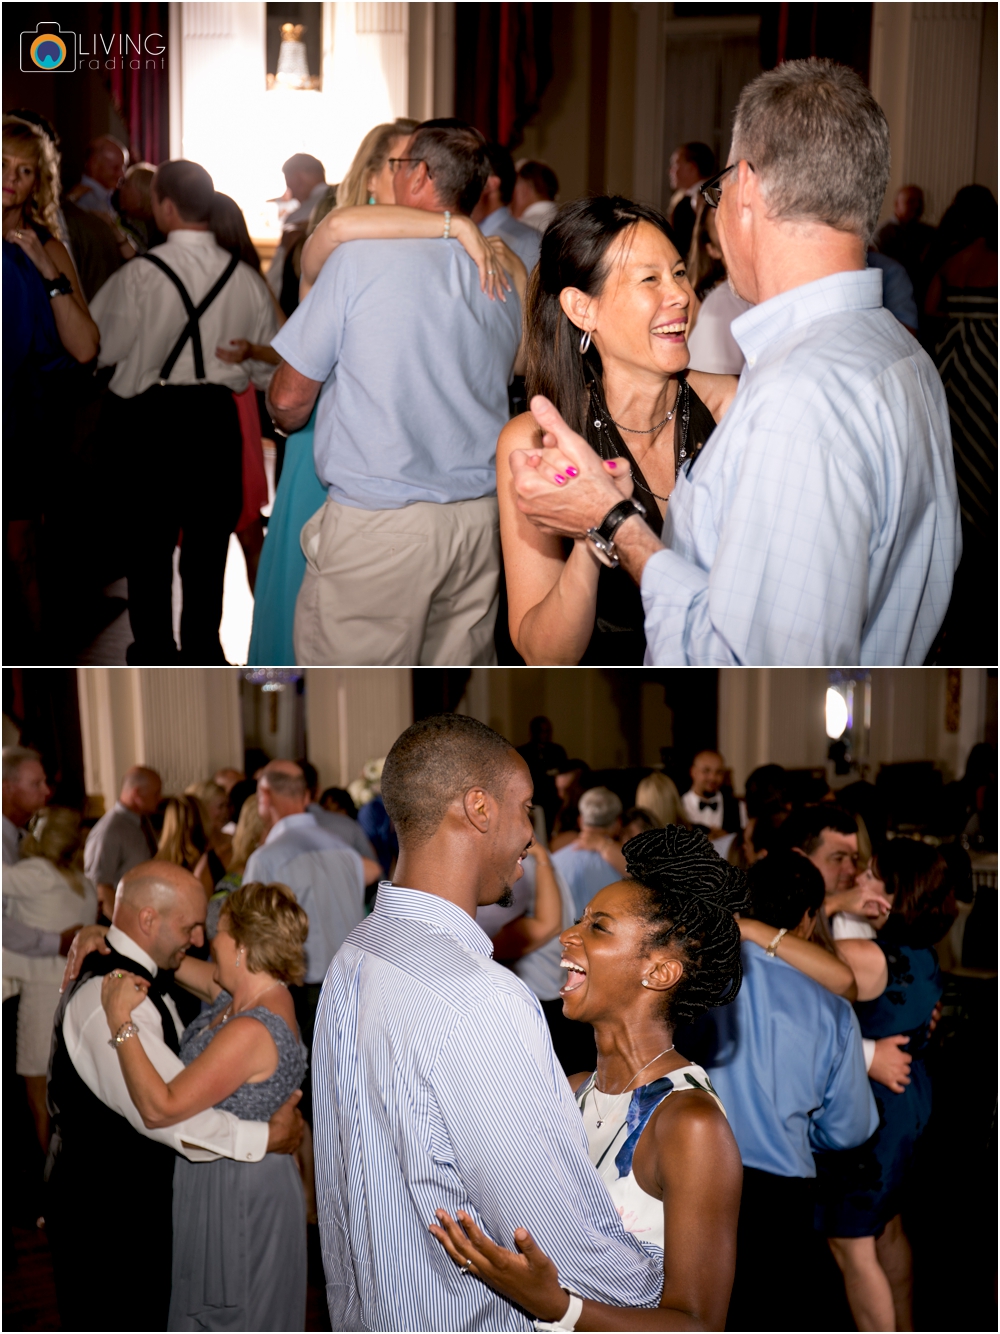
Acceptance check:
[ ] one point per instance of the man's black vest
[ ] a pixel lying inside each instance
(99, 1165)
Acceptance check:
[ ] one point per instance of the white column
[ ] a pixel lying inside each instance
(185, 724)
(354, 715)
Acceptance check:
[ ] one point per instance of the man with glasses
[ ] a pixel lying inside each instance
(820, 524)
(410, 363)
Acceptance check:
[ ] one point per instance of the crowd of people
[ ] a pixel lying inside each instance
(417, 496)
(468, 1035)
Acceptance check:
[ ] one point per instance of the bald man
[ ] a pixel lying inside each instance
(124, 837)
(705, 804)
(107, 159)
(111, 1178)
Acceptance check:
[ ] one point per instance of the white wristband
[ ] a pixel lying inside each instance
(569, 1317)
(868, 1046)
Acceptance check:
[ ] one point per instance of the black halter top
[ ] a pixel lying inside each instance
(618, 639)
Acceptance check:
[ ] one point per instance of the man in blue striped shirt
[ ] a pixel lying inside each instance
(820, 523)
(435, 1083)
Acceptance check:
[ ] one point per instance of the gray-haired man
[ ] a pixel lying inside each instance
(820, 525)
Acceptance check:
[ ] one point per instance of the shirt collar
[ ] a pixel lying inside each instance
(184, 236)
(498, 215)
(129, 815)
(125, 945)
(417, 905)
(780, 316)
(289, 822)
(96, 187)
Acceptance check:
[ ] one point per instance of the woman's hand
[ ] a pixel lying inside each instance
(530, 1279)
(86, 940)
(235, 351)
(27, 240)
(862, 901)
(479, 248)
(120, 994)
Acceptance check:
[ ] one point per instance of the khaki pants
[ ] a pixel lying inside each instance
(410, 587)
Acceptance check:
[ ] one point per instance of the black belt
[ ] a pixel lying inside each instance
(191, 329)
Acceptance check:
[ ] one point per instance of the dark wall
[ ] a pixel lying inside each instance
(44, 705)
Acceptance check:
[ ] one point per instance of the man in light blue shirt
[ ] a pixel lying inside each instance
(820, 523)
(435, 1083)
(492, 214)
(786, 1060)
(594, 860)
(410, 362)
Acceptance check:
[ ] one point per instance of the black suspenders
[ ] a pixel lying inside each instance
(194, 313)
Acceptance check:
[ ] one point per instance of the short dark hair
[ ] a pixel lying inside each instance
(189, 186)
(804, 828)
(767, 826)
(541, 176)
(767, 783)
(435, 761)
(917, 879)
(784, 886)
(340, 797)
(305, 162)
(502, 165)
(700, 156)
(455, 155)
(311, 774)
(690, 896)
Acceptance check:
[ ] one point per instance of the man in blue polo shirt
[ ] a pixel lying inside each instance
(410, 362)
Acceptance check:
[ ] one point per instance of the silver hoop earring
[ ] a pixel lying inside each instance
(584, 342)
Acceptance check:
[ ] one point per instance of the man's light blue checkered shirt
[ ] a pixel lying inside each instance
(820, 525)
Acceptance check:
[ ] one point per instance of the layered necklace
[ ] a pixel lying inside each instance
(603, 421)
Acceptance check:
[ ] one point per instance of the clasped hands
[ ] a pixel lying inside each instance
(563, 487)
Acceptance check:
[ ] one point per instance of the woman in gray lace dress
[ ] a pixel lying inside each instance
(239, 1259)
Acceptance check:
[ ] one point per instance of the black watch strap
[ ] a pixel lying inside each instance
(60, 285)
(617, 515)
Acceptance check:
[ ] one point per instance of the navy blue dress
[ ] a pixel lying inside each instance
(859, 1190)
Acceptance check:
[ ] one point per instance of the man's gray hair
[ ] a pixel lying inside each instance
(599, 808)
(283, 783)
(14, 757)
(818, 141)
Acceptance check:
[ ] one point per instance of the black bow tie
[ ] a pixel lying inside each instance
(712, 805)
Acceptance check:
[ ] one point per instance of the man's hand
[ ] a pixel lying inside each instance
(891, 1065)
(862, 902)
(87, 939)
(564, 488)
(286, 1127)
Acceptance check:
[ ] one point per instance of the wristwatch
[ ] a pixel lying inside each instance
(603, 536)
(60, 285)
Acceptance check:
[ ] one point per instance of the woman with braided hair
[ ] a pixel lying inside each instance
(650, 952)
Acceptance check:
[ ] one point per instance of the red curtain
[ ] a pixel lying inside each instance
(141, 95)
(503, 64)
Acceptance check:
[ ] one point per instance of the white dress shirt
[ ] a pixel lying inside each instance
(140, 315)
(202, 1138)
(711, 344)
(711, 817)
(11, 842)
(539, 214)
(820, 525)
(38, 895)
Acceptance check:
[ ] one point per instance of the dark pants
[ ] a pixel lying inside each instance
(306, 1001)
(778, 1256)
(572, 1042)
(180, 449)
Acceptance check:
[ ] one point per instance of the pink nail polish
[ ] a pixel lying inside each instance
(612, 463)
(572, 472)
(559, 479)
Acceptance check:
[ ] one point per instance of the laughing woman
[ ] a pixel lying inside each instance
(606, 318)
(650, 952)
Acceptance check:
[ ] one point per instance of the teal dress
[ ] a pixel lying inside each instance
(282, 565)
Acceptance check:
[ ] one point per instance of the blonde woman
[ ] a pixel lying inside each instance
(658, 795)
(250, 834)
(48, 890)
(183, 841)
(214, 807)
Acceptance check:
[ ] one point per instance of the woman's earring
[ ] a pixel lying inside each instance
(584, 342)
(238, 953)
(372, 199)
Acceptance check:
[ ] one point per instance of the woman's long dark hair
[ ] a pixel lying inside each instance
(574, 254)
(226, 220)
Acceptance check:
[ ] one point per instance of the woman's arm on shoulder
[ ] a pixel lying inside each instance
(195, 975)
(823, 967)
(551, 599)
(867, 962)
(715, 391)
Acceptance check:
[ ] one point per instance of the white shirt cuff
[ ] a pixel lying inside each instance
(868, 1044)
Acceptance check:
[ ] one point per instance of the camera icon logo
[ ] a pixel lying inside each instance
(48, 50)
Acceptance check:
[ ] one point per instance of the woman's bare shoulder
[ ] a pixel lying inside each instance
(521, 432)
(715, 391)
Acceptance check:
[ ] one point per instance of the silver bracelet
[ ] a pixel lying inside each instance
(126, 1031)
(569, 1317)
(447, 225)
